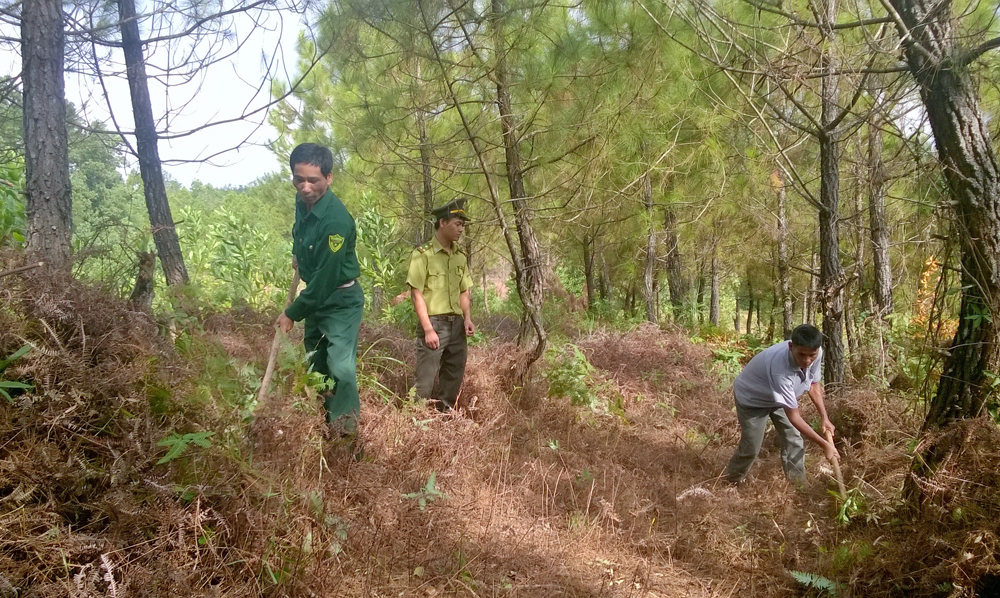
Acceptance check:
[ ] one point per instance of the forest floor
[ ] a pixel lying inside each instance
(515, 494)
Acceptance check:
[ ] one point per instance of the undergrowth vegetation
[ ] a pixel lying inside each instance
(136, 460)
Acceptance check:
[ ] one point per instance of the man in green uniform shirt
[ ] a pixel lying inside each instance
(439, 282)
(323, 240)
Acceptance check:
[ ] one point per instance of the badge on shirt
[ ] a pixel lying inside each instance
(336, 242)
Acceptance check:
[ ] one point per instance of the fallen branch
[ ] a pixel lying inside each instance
(22, 269)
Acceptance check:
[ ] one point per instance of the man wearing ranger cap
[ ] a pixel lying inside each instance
(439, 281)
(323, 239)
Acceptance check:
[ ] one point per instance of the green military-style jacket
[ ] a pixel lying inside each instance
(323, 244)
(442, 277)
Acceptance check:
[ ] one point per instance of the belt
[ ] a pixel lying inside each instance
(348, 285)
(446, 317)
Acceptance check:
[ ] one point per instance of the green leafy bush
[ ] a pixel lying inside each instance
(570, 375)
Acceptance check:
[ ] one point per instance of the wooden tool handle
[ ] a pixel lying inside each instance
(836, 469)
(272, 357)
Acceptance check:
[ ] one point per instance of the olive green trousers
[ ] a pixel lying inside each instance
(447, 362)
(331, 339)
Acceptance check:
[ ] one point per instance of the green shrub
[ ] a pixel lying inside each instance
(12, 218)
(570, 375)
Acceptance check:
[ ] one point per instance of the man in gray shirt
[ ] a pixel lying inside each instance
(769, 387)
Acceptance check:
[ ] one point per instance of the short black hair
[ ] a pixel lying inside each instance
(808, 336)
(312, 153)
(447, 218)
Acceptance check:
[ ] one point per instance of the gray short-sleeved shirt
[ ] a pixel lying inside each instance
(772, 378)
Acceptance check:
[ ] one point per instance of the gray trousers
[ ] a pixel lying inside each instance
(447, 361)
(752, 423)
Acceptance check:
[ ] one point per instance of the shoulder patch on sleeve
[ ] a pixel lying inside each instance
(336, 242)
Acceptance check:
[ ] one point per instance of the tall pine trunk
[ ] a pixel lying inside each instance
(736, 314)
(649, 272)
(588, 268)
(879, 229)
(675, 270)
(973, 177)
(713, 302)
(701, 293)
(831, 274)
(784, 279)
(810, 315)
(604, 286)
(150, 168)
(46, 155)
(529, 279)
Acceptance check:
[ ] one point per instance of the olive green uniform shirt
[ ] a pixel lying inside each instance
(441, 276)
(323, 242)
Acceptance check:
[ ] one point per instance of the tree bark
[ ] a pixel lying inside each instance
(831, 274)
(588, 268)
(675, 269)
(784, 279)
(49, 203)
(736, 314)
(604, 286)
(973, 176)
(701, 294)
(879, 229)
(649, 271)
(529, 280)
(810, 315)
(713, 308)
(852, 301)
(150, 168)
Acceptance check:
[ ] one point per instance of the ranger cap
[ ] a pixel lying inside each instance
(452, 209)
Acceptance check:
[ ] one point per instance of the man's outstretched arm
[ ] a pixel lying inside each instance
(806, 430)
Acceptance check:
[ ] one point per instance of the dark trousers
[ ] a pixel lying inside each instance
(752, 422)
(331, 338)
(447, 361)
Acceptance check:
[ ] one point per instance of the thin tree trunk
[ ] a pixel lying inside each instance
(882, 269)
(770, 322)
(701, 294)
(150, 168)
(849, 324)
(973, 176)
(648, 272)
(736, 314)
(749, 302)
(588, 269)
(530, 279)
(831, 273)
(605, 280)
(46, 157)
(784, 278)
(675, 270)
(757, 306)
(813, 290)
(852, 301)
(713, 307)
